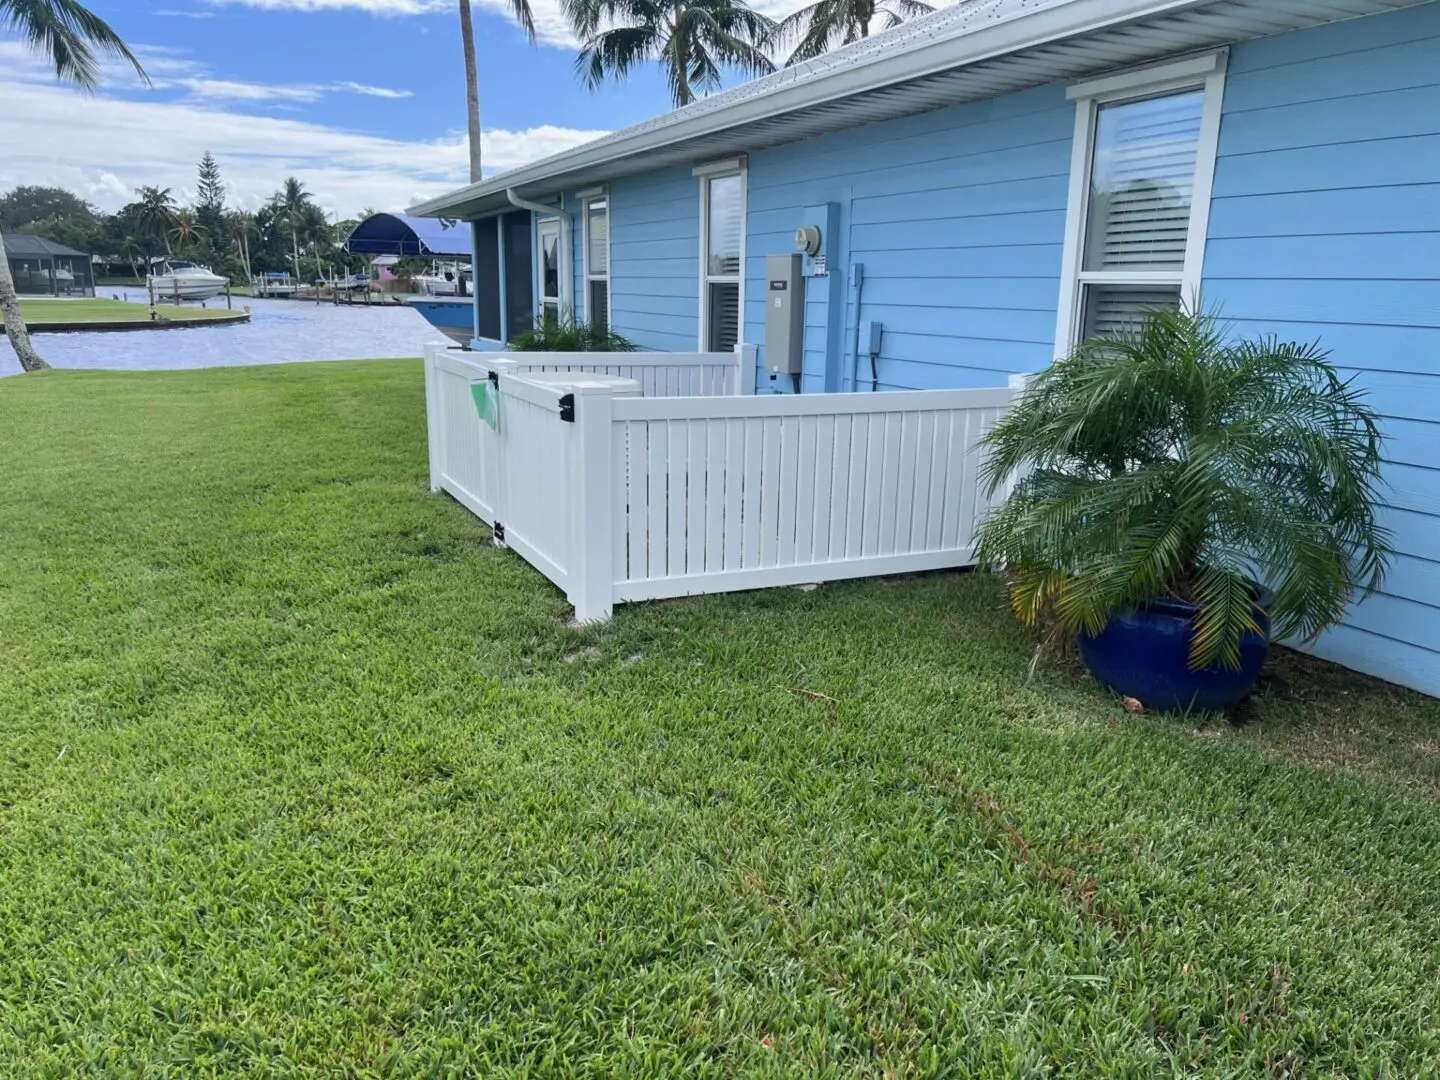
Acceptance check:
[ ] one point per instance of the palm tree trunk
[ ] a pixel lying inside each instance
(472, 90)
(684, 95)
(295, 246)
(14, 321)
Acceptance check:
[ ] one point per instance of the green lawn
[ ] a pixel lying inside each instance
(100, 310)
(299, 777)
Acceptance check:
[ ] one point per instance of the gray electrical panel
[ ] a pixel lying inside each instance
(784, 315)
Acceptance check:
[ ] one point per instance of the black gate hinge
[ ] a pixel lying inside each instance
(567, 408)
(495, 377)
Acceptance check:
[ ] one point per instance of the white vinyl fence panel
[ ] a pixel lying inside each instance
(622, 498)
(750, 492)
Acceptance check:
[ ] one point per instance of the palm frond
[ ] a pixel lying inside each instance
(67, 34)
(1172, 461)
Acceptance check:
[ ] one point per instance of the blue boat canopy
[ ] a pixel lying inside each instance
(397, 234)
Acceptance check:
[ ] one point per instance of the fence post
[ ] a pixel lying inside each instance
(500, 504)
(747, 356)
(433, 413)
(591, 569)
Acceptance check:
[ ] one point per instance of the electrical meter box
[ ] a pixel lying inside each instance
(784, 315)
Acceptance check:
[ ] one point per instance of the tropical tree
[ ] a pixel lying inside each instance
(67, 34)
(241, 225)
(1170, 461)
(292, 204)
(155, 217)
(131, 250)
(526, 18)
(830, 24)
(187, 231)
(693, 42)
(315, 229)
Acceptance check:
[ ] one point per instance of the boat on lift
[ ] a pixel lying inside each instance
(274, 283)
(447, 279)
(182, 279)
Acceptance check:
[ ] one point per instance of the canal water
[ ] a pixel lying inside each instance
(279, 332)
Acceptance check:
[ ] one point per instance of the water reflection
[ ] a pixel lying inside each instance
(279, 332)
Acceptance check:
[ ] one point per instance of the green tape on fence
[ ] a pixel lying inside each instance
(487, 401)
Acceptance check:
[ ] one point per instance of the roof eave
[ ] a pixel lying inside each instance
(1056, 22)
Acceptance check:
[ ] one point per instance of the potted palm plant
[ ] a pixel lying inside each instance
(1183, 499)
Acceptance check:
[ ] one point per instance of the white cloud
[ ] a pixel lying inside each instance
(167, 13)
(551, 26)
(372, 91)
(208, 89)
(104, 147)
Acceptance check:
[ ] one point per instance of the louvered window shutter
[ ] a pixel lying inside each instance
(1142, 180)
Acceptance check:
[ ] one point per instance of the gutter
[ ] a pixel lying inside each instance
(1056, 21)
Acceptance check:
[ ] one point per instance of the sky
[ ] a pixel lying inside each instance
(364, 100)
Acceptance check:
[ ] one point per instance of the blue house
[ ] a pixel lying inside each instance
(996, 181)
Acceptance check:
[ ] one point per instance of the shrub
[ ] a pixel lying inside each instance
(569, 334)
(1173, 462)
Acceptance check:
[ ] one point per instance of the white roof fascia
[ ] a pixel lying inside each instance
(1057, 20)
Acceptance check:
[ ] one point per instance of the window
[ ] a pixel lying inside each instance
(547, 234)
(597, 263)
(1139, 196)
(722, 249)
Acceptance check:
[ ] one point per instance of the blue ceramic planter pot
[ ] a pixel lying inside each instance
(1144, 653)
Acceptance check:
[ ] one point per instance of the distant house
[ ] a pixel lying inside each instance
(990, 184)
(41, 267)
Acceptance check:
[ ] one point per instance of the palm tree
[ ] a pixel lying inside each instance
(68, 35)
(526, 18)
(187, 230)
(292, 203)
(155, 216)
(132, 250)
(829, 24)
(241, 224)
(315, 229)
(694, 42)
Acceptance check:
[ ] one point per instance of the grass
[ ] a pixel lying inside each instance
(97, 310)
(299, 777)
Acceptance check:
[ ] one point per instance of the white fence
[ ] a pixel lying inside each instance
(623, 498)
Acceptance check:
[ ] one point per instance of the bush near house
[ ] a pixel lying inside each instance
(300, 776)
(569, 334)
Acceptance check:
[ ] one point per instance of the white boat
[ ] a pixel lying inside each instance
(444, 280)
(273, 283)
(185, 280)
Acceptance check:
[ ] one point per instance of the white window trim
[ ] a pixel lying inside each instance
(566, 301)
(586, 274)
(719, 170)
(1205, 72)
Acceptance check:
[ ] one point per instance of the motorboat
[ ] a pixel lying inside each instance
(348, 283)
(453, 316)
(273, 283)
(449, 279)
(185, 280)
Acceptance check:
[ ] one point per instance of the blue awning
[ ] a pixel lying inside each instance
(396, 234)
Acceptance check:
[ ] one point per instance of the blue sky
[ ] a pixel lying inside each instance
(363, 99)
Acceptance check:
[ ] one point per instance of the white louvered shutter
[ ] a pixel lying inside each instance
(1113, 309)
(597, 258)
(724, 227)
(1142, 181)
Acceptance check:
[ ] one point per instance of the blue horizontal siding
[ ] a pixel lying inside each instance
(655, 259)
(1325, 225)
(1414, 159)
(957, 217)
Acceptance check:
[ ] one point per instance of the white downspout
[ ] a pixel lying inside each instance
(567, 247)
